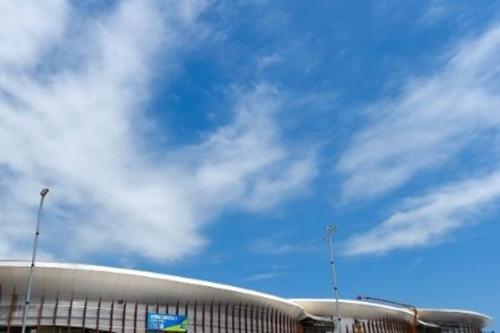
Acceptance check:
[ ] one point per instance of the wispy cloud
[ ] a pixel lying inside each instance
(268, 246)
(428, 219)
(43, 25)
(245, 163)
(264, 276)
(433, 121)
(414, 264)
(278, 245)
(77, 125)
(435, 11)
(430, 122)
(268, 60)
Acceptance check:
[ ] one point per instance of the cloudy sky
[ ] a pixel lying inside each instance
(218, 139)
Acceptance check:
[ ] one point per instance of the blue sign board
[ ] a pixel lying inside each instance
(166, 322)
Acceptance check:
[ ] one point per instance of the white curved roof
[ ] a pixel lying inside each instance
(444, 316)
(132, 285)
(352, 309)
(369, 310)
(146, 287)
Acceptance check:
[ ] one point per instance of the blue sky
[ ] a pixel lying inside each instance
(218, 140)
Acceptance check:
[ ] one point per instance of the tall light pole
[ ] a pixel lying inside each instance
(43, 193)
(329, 232)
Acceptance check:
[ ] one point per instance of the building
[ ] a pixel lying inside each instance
(69, 298)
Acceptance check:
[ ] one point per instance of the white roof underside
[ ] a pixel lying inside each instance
(146, 287)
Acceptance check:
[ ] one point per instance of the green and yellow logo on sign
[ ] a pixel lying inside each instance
(166, 322)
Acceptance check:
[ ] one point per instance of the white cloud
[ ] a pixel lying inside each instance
(29, 29)
(264, 276)
(266, 61)
(414, 264)
(243, 163)
(77, 127)
(428, 219)
(434, 120)
(271, 246)
(436, 11)
(277, 245)
(429, 123)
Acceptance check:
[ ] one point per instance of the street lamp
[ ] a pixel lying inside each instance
(43, 193)
(329, 232)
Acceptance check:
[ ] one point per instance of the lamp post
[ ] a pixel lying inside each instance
(329, 232)
(43, 193)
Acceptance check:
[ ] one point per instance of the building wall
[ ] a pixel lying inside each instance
(130, 317)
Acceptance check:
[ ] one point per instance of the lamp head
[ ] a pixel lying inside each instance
(44, 192)
(331, 228)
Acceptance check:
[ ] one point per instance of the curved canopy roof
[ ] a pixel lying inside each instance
(445, 316)
(146, 287)
(369, 310)
(131, 285)
(352, 309)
